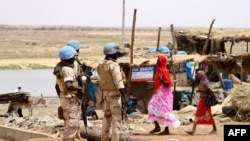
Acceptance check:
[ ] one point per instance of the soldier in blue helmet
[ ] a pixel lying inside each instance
(86, 73)
(75, 44)
(112, 86)
(68, 92)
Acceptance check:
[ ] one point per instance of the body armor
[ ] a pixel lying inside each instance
(106, 82)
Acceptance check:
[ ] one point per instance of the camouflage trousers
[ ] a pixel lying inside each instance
(112, 118)
(71, 115)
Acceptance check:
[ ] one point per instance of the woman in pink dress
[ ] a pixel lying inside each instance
(160, 107)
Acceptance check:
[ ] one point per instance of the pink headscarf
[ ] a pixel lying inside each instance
(203, 80)
(202, 75)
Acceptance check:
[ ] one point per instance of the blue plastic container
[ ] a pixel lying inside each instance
(228, 84)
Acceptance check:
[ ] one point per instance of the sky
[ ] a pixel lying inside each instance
(109, 13)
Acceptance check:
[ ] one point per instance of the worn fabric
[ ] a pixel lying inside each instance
(203, 114)
(160, 106)
(77, 69)
(111, 106)
(92, 88)
(112, 117)
(69, 104)
(60, 112)
(71, 115)
(163, 71)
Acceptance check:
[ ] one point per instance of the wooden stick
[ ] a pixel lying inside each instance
(241, 69)
(158, 39)
(212, 47)
(231, 47)
(173, 37)
(247, 46)
(132, 37)
(94, 134)
(208, 36)
(193, 86)
(172, 66)
(131, 53)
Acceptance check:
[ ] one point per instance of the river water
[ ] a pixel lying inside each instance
(34, 81)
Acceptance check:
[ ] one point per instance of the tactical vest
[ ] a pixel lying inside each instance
(106, 81)
(60, 82)
(58, 69)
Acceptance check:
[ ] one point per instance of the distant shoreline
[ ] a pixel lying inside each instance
(37, 63)
(101, 28)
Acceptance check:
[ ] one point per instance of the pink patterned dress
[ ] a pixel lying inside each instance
(160, 107)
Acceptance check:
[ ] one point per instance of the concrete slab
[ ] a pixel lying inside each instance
(13, 134)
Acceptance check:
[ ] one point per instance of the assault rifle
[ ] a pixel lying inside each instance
(123, 104)
(83, 104)
(83, 66)
(123, 107)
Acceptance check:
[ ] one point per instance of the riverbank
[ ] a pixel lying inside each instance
(34, 63)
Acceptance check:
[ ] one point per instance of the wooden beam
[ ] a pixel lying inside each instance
(131, 61)
(247, 46)
(94, 134)
(208, 36)
(158, 39)
(132, 48)
(231, 47)
(172, 66)
(173, 37)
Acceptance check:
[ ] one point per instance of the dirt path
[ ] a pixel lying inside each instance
(139, 127)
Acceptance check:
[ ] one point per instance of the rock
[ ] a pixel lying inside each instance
(226, 119)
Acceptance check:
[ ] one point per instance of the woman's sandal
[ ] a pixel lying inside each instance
(164, 133)
(155, 130)
(212, 132)
(189, 132)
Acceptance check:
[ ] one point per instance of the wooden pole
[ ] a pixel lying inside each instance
(247, 46)
(231, 47)
(172, 66)
(132, 39)
(173, 37)
(208, 36)
(95, 134)
(131, 55)
(123, 23)
(158, 39)
(128, 86)
(193, 85)
(241, 69)
(212, 47)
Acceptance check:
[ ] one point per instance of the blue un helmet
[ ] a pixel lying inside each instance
(67, 52)
(75, 44)
(110, 48)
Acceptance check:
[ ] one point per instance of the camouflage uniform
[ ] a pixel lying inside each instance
(111, 97)
(70, 105)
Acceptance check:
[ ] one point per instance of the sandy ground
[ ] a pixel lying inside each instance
(138, 126)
